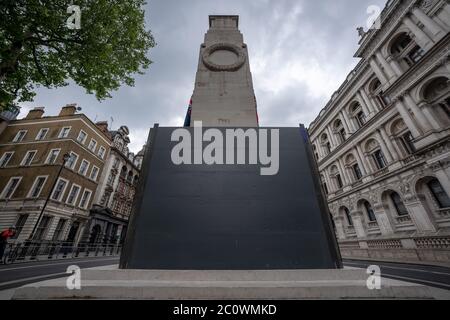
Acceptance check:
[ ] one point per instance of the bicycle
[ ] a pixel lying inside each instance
(12, 255)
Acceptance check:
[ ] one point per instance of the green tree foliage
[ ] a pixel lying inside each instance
(37, 48)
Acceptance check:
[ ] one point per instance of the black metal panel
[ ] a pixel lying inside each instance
(229, 217)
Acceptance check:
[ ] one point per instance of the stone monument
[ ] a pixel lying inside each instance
(223, 94)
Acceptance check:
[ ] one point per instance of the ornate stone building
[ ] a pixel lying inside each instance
(115, 193)
(382, 142)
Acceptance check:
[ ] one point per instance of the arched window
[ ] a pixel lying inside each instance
(373, 148)
(437, 94)
(369, 211)
(130, 177)
(398, 204)
(326, 143)
(316, 155)
(406, 51)
(339, 129)
(403, 137)
(439, 194)
(352, 164)
(376, 90)
(348, 216)
(123, 173)
(336, 175)
(358, 115)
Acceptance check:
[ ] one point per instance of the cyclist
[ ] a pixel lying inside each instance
(4, 236)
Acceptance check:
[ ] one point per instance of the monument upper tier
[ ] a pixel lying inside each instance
(223, 94)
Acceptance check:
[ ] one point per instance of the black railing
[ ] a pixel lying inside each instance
(48, 250)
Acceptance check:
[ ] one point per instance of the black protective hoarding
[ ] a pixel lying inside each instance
(230, 217)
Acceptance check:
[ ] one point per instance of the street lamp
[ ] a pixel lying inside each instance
(66, 157)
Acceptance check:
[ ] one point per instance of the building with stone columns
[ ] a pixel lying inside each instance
(115, 192)
(382, 142)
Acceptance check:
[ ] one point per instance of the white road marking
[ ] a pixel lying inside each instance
(408, 269)
(43, 277)
(436, 284)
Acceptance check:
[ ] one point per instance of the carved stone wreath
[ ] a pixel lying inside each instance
(228, 47)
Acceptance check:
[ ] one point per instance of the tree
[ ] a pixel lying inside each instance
(38, 47)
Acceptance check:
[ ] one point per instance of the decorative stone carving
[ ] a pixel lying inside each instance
(225, 47)
(361, 32)
(405, 188)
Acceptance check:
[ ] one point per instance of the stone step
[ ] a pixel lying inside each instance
(219, 275)
(224, 285)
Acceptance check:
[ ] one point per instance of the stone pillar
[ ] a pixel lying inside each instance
(380, 74)
(409, 121)
(446, 13)
(345, 175)
(421, 37)
(346, 123)
(366, 105)
(395, 65)
(387, 67)
(419, 215)
(360, 162)
(420, 116)
(320, 151)
(332, 138)
(389, 144)
(428, 112)
(442, 176)
(384, 148)
(357, 217)
(328, 181)
(339, 223)
(428, 22)
(383, 220)
(364, 161)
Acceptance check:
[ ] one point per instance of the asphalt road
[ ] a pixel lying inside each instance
(13, 276)
(433, 276)
(17, 275)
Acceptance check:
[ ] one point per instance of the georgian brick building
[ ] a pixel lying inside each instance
(31, 154)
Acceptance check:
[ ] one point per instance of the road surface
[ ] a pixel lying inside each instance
(17, 275)
(432, 276)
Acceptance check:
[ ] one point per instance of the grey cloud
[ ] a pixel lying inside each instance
(300, 52)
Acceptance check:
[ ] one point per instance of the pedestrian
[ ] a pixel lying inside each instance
(4, 236)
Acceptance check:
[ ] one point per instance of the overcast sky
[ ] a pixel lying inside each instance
(300, 53)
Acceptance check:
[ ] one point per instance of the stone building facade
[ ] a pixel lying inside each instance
(382, 142)
(115, 193)
(31, 155)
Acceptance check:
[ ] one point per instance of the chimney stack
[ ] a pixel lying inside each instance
(68, 110)
(35, 113)
(103, 126)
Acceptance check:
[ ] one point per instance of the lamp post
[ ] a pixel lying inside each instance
(66, 157)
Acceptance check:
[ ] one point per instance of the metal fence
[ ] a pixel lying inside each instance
(43, 250)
